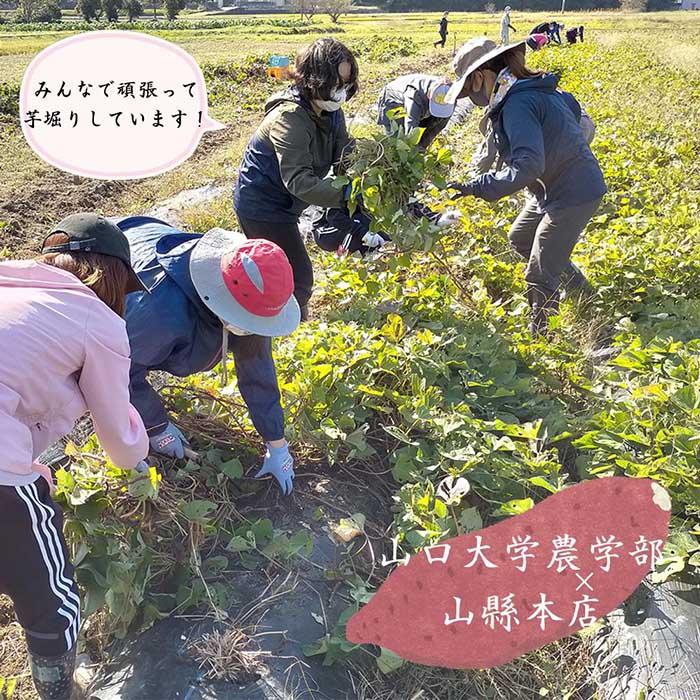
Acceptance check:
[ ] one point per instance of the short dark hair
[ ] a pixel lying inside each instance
(316, 70)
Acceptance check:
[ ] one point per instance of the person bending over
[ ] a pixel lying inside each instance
(65, 353)
(208, 295)
(539, 139)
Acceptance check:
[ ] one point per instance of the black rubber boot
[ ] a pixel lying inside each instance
(542, 306)
(53, 675)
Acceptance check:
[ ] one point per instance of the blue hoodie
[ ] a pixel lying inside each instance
(171, 329)
(539, 139)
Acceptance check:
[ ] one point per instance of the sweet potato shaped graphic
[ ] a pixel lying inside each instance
(481, 599)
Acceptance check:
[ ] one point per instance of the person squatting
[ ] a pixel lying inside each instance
(107, 301)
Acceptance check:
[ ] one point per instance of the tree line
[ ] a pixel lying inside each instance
(97, 10)
(111, 10)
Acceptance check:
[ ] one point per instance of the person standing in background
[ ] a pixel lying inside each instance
(580, 33)
(506, 26)
(442, 31)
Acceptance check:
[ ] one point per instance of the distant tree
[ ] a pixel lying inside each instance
(27, 9)
(48, 12)
(334, 8)
(89, 9)
(306, 8)
(490, 7)
(111, 9)
(173, 8)
(134, 9)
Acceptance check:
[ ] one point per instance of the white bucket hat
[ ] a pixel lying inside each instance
(247, 283)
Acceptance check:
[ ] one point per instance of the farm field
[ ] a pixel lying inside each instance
(413, 367)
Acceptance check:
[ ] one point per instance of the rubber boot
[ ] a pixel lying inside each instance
(575, 284)
(542, 306)
(53, 675)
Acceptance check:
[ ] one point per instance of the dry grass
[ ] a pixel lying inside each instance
(564, 669)
(228, 655)
(14, 664)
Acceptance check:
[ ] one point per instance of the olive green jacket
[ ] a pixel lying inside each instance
(287, 164)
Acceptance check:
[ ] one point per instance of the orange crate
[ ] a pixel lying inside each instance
(278, 73)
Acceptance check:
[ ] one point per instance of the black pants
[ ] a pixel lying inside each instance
(287, 237)
(441, 43)
(35, 571)
(331, 228)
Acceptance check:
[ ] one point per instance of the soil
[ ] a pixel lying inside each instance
(30, 211)
(13, 659)
(156, 665)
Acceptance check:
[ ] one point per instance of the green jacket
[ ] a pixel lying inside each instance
(286, 164)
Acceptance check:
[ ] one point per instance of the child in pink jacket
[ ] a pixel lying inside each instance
(64, 352)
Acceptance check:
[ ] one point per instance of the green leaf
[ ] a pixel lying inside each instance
(233, 468)
(214, 565)
(387, 661)
(239, 544)
(144, 486)
(694, 559)
(515, 507)
(542, 483)
(470, 520)
(198, 511)
(320, 646)
(399, 434)
(262, 530)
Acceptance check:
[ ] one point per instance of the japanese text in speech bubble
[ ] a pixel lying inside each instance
(114, 105)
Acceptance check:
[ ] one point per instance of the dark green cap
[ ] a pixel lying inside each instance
(90, 233)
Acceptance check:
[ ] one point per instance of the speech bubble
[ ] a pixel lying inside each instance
(482, 599)
(114, 105)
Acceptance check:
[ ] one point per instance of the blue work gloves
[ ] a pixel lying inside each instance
(170, 443)
(280, 464)
(142, 467)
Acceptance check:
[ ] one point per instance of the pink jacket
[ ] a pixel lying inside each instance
(63, 352)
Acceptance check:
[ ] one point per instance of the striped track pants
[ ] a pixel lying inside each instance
(34, 568)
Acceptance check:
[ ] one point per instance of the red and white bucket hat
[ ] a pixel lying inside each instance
(247, 283)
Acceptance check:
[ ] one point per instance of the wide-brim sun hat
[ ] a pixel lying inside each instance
(472, 56)
(247, 283)
(438, 107)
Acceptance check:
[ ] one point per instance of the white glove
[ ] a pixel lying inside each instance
(449, 218)
(372, 240)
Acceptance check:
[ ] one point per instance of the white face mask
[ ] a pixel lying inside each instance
(236, 331)
(338, 97)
